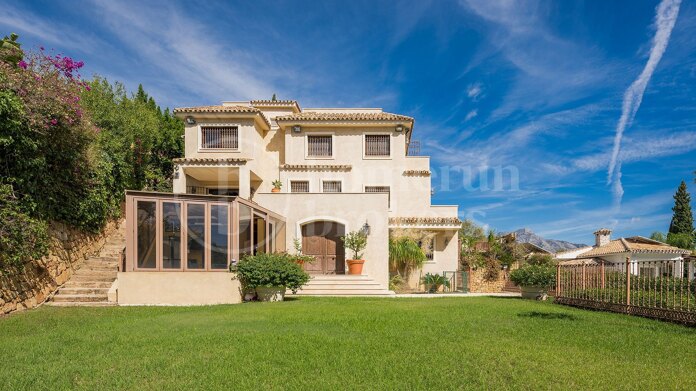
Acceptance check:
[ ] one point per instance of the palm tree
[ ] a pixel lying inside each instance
(405, 255)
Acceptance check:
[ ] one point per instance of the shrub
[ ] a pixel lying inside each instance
(433, 282)
(405, 255)
(270, 270)
(22, 238)
(534, 275)
(355, 241)
(541, 260)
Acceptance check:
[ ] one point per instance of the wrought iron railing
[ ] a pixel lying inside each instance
(413, 148)
(196, 190)
(458, 281)
(656, 289)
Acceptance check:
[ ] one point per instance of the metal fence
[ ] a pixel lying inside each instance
(458, 281)
(656, 289)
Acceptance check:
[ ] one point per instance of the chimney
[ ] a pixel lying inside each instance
(602, 236)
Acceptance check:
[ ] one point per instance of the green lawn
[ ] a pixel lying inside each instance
(331, 343)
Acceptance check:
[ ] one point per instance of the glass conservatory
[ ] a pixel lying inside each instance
(193, 233)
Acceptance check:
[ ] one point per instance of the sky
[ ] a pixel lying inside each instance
(559, 116)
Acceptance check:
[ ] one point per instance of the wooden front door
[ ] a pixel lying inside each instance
(322, 240)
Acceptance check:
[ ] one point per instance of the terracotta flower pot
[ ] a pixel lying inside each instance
(355, 266)
(299, 262)
(275, 190)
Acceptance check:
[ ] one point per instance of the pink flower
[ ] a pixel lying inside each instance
(22, 64)
(54, 122)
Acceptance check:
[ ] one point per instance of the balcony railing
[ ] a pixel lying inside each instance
(413, 148)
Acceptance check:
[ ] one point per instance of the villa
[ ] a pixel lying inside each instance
(339, 170)
(647, 257)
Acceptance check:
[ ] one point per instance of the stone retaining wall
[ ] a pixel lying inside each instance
(29, 287)
(477, 282)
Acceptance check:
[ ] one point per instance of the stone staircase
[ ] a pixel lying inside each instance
(343, 285)
(89, 285)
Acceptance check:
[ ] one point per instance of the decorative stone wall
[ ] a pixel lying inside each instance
(478, 284)
(30, 286)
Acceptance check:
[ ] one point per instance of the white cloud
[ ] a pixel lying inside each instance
(182, 50)
(470, 115)
(474, 91)
(665, 18)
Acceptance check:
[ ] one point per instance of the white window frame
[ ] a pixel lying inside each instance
(331, 180)
(333, 145)
(219, 125)
(390, 200)
(364, 142)
(309, 185)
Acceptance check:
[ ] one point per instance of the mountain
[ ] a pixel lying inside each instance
(525, 235)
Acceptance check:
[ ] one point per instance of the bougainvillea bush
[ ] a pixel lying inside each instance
(69, 150)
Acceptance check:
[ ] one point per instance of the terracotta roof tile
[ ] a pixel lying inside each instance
(310, 116)
(217, 109)
(210, 161)
(316, 167)
(425, 221)
(222, 110)
(636, 244)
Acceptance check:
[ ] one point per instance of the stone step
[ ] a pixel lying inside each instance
(338, 282)
(88, 284)
(79, 298)
(346, 292)
(99, 268)
(98, 263)
(340, 277)
(93, 278)
(81, 304)
(340, 288)
(82, 291)
(87, 275)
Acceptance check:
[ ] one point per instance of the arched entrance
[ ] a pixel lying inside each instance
(322, 240)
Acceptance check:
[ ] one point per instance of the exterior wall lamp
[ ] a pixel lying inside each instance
(190, 120)
(366, 229)
(399, 128)
(297, 128)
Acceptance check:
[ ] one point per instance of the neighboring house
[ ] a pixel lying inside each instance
(648, 257)
(342, 170)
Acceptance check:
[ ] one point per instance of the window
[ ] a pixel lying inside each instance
(379, 189)
(331, 187)
(428, 247)
(244, 230)
(146, 233)
(377, 145)
(320, 146)
(219, 137)
(171, 235)
(219, 229)
(299, 186)
(195, 237)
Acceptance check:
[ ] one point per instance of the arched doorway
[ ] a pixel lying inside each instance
(322, 240)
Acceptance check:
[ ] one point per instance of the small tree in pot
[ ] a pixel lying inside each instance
(277, 184)
(355, 241)
(270, 275)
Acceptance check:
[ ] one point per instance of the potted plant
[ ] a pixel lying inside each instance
(433, 282)
(355, 241)
(301, 258)
(277, 184)
(534, 280)
(270, 275)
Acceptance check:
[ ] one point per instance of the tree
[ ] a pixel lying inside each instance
(682, 219)
(659, 236)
